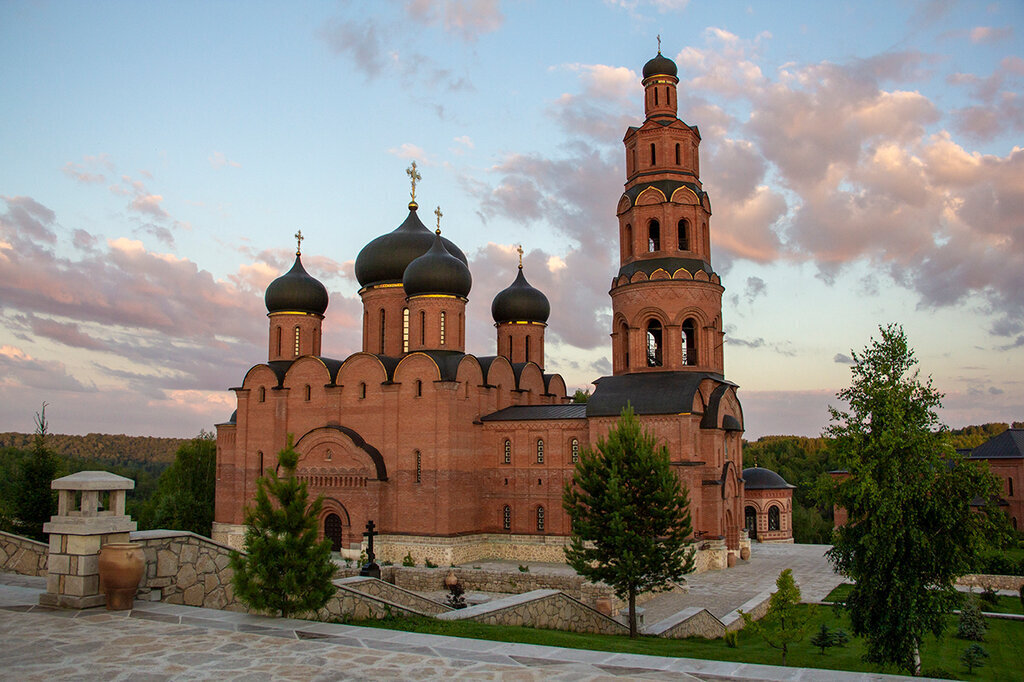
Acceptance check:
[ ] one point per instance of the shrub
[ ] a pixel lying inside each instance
(523, 568)
(972, 623)
(429, 564)
(989, 596)
(408, 561)
(732, 639)
(973, 657)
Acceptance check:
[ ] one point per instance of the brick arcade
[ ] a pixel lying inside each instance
(457, 456)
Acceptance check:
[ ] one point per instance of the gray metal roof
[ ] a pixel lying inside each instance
(650, 393)
(1007, 445)
(519, 413)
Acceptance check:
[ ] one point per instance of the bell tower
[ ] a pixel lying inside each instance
(666, 298)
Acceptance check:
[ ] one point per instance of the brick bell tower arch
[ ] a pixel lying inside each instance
(337, 463)
(666, 298)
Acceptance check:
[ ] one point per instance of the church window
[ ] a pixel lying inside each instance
(773, 518)
(405, 330)
(382, 322)
(654, 236)
(655, 96)
(1010, 482)
(419, 467)
(508, 451)
(278, 340)
(362, 391)
(423, 328)
(689, 337)
(442, 327)
(330, 455)
(296, 341)
(684, 235)
(634, 158)
(677, 154)
(629, 240)
(260, 455)
(540, 519)
(654, 343)
(506, 517)
(653, 157)
(527, 341)
(419, 388)
(308, 393)
(574, 446)
(262, 393)
(540, 451)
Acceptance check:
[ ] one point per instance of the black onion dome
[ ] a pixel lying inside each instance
(298, 291)
(437, 272)
(520, 301)
(385, 258)
(759, 478)
(660, 66)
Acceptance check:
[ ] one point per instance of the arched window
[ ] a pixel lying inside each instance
(405, 330)
(540, 519)
(624, 335)
(308, 393)
(508, 451)
(527, 341)
(296, 341)
(419, 467)
(574, 448)
(689, 337)
(260, 454)
(684, 235)
(750, 521)
(442, 327)
(653, 157)
(279, 332)
(362, 391)
(382, 321)
(506, 517)
(1010, 481)
(262, 394)
(677, 154)
(423, 328)
(654, 343)
(773, 518)
(540, 451)
(634, 158)
(629, 240)
(655, 96)
(419, 388)
(668, 96)
(654, 236)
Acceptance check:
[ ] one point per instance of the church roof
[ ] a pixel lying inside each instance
(385, 258)
(670, 265)
(759, 478)
(437, 272)
(520, 302)
(660, 66)
(296, 291)
(518, 413)
(650, 393)
(1007, 445)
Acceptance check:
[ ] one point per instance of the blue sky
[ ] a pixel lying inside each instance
(863, 160)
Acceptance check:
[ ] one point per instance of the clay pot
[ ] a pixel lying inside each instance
(121, 565)
(451, 580)
(730, 560)
(745, 553)
(603, 605)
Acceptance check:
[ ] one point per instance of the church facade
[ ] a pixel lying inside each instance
(458, 457)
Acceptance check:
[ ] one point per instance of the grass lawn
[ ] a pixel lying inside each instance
(1004, 604)
(1004, 643)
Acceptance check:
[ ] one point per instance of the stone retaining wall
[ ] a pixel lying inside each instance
(545, 609)
(996, 582)
(690, 622)
(185, 568)
(22, 556)
(349, 604)
(393, 594)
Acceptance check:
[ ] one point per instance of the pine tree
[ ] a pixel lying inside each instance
(973, 657)
(823, 639)
(36, 501)
(911, 529)
(286, 571)
(972, 624)
(785, 622)
(630, 515)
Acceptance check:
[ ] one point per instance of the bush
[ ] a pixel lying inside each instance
(939, 673)
(408, 561)
(523, 568)
(429, 564)
(989, 596)
(972, 623)
(732, 639)
(973, 657)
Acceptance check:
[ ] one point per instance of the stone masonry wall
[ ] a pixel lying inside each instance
(185, 568)
(348, 604)
(996, 582)
(545, 609)
(22, 556)
(393, 594)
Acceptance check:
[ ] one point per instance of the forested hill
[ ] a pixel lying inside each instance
(103, 447)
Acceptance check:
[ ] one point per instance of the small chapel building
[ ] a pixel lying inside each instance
(458, 456)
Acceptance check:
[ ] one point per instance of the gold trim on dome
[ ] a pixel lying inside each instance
(650, 189)
(293, 312)
(540, 324)
(435, 296)
(679, 189)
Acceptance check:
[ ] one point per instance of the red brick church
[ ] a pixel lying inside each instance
(458, 457)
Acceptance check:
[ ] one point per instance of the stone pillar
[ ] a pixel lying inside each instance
(90, 513)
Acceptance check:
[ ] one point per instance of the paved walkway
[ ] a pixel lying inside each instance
(156, 642)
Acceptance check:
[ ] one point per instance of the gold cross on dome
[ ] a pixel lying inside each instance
(519, 249)
(659, 43)
(437, 212)
(298, 245)
(414, 176)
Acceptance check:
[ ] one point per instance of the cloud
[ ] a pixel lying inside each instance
(26, 216)
(19, 369)
(92, 170)
(218, 160)
(755, 287)
(989, 34)
(842, 359)
(407, 150)
(466, 19)
(465, 141)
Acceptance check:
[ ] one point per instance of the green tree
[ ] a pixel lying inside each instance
(785, 622)
(35, 501)
(185, 492)
(581, 396)
(823, 638)
(971, 624)
(286, 571)
(911, 528)
(630, 514)
(973, 657)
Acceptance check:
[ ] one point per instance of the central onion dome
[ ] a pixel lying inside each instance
(386, 257)
(438, 271)
(520, 302)
(296, 291)
(660, 66)
(759, 478)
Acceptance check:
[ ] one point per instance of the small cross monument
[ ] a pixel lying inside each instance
(371, 568)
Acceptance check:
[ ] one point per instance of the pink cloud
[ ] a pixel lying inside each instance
(467, 19)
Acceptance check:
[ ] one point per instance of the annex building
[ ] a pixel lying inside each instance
(458, 456)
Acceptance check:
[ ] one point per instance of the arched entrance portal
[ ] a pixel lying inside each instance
(750, 521)
(333, 531)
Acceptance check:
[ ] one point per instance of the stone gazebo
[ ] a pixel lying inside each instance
(767, 505)
(90, 514)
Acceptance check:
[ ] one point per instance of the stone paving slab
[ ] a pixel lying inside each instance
(189, 643)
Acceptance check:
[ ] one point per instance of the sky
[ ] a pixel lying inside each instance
(864, 161)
